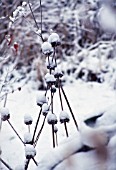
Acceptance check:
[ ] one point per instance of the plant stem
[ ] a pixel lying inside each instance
(5, 164)
(35, 161)
(56, 138)
(59, 85)
(35, 143)
(69, 107)
(66, 130)
(15, 131)
(36, 125)
(53, 137)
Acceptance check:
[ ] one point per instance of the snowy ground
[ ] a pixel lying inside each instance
(85, 98)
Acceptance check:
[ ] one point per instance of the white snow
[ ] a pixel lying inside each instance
(41, 98)
(4, 113)
(27, 118)
(49, 78)
(27, 137)
(47, 48)
(51, 118)
(64, 115)
(54, 38)
(45, 109)
(30, 151)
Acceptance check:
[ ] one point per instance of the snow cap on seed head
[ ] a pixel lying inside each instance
(55, 129)
(54, 39)
(30, 151)
(41, 99)
(28, 119)
(64, 117)
(52, 119)
(49, 78)
(47, 48)
(28, 138)
(4, 112)
(45, 109)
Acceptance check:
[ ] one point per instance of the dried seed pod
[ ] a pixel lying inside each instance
(45, 109)
(54, 39)
(27, 138)
(5, 115)
(55, 129)
(30, 151)
(58, 73)
(47, 48)
(41, 99)
(28, 119)
(50, 80)
(64, 117)
(53, 89)
(52, 119)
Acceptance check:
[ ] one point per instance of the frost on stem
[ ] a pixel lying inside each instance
(27, 138)
(5, 115)
(49, 78)
(47, 48)
(64, 117)
(30, 151)
(41, 99)
(28, 119)
(45, 109)
(55, 129)
(52, 119)
(54, 39)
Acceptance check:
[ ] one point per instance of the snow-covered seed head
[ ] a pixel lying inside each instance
(52, 119)
(47, 48)
(45, 109)
(64, 117)
(55, 129)
(51, 64)
(58, 73)
(28, 119)
(27, 138)
(30, 151)
(54, 39)
(41, 99)
(53, 89)
(5, 115)
(49, 78)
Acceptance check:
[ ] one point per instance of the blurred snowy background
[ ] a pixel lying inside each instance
(87, 29)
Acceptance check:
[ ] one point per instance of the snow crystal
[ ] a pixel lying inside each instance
(54, 38)
(30, 151)
(47, 48)
(27, 137)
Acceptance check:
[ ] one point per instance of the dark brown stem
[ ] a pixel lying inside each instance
(5, 99)
(15, 131)
(35, 143)
(66, 130)
(69, 108)
(53, 137)
(6, 165)
(35, 161)
(36, 125)
(60, 94)
(27, 164)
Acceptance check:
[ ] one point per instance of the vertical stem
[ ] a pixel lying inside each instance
(29, 128)
(36, 125)
(15, 132)
(53, 137)
(51, 102)
(69, 107)
(41, 18)
(66, 130)
(5, 99)
(60, 94)
(56, 139)
(27, 164)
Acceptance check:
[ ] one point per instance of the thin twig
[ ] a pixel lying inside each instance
(40, 131)
(36, 125)
(53, 137)
(66, 129)
(69, 107)
(5, 164)
(15, 132)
